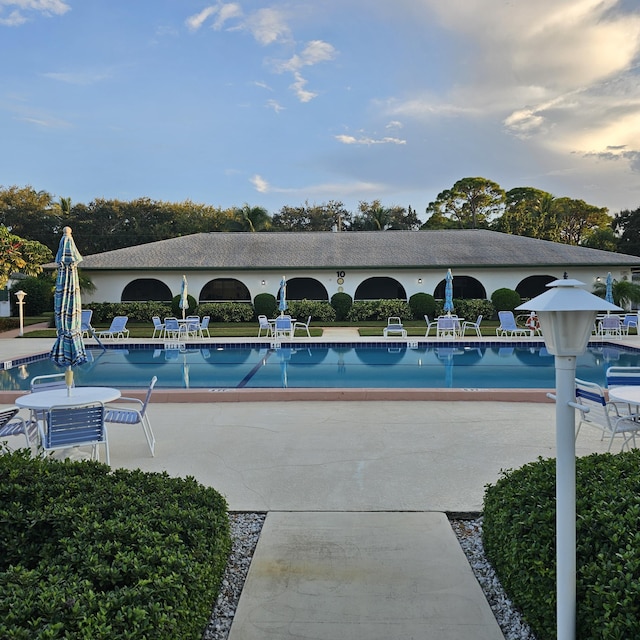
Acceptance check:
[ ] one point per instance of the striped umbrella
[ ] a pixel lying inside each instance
(68, 349)
(608, 296)
(282, 305)
(448, 292)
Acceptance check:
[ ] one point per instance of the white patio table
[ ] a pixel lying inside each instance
(629, 394)
(44, 400)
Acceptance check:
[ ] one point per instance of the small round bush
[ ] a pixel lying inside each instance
(341, 302)
(422, 304)
(505, 299)
(265, 304)
(175, 305)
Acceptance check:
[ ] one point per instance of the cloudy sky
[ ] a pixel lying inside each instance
(276, 103)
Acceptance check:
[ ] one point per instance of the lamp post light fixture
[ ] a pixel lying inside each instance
(20, 296)
(566, 314)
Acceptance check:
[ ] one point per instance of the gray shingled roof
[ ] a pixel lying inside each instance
(367, 249)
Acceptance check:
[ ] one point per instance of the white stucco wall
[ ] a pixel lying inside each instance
(110, 285)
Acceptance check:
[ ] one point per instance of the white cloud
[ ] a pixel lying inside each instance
(275, 105)
(298, 87)
(345, 139)
(260, 184)
(226, 12)
(195, 21)
(44, 7)
(315, 52)
(78, 78)
(268, 26)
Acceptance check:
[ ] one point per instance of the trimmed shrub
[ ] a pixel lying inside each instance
(227, 311)
(341, 302)
(505, 299)
(104, 312)
(319, 310)
(473, 307)
(519, 540)
(175, 305)
(265, 304)
(379, 310)
(39, 298)
(422, 304)
(94, 552)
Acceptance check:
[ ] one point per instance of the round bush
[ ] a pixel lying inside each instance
(505, 299)
(422, 304)
(341, 302)
(175, 305)
(265, 304)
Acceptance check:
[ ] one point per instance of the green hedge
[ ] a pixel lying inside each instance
(88, 552)
(227, 311)
(379, 310)
(519, 540)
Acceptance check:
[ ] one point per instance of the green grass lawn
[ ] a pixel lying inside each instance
(415, 328)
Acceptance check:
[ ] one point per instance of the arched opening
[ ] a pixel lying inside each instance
(227, 289)
(146, 289)
(464, 288)
(305, 289)
(533, 286)
(380, 288)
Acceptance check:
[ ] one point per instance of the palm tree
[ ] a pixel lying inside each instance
(251, 219)
(625, 293)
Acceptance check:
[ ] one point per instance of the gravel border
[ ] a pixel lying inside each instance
(245, 532)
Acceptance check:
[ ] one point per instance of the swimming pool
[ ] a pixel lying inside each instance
(354, 365)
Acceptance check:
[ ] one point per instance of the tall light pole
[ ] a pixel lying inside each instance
(20, 296)
(566, 314)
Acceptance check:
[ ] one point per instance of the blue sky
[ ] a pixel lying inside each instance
(276, 103)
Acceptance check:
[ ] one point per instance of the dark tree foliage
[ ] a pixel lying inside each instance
(626, 224)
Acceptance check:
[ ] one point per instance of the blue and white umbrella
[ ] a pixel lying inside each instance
(184, 297)
(448, 292)
(282, 304)
(608, 296)
(68, 349)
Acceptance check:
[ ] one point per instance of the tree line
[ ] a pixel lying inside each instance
(30, 216)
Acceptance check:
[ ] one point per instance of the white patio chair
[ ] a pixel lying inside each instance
(75, 426)
(430, 324)
(158, 327)
(302, 325)
(630, 321)
(137, 414)
(446, 327)
(394, 326)
(85, 323)
(599, 413)
(474, 326)
(284, 327)
(191, 326)
(264, 325)
(610, 326)
(11, 425)
(508, 325)
(173, 329)
(118, 329)
(204, 327)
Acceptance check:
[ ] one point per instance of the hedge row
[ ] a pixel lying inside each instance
(90, 552)
(519, 540)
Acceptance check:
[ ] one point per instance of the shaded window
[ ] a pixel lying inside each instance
(380, 288)
(227, 289)
(145, 290)
(533, 286)
(304, 289)
(464, 288)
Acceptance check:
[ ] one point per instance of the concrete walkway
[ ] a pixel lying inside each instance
(356, 543)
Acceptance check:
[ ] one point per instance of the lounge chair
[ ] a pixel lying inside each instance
(85, 323)
(394, 326)
(13, 425)
(264, 325)
(474, 326)
(118, 329)
(302, 325)
(137, 414)
(603, 415)
(75, 426)
(508, 325)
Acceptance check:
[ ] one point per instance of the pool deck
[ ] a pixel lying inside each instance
(356, 543)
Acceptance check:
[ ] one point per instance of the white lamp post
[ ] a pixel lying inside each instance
(566, 314)
(20, 295)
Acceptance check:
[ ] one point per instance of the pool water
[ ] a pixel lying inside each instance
(390, 365)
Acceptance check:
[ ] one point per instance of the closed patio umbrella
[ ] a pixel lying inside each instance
(448, 292)
(68, 349)
(609, 291)
(282, 305)
(184, 297)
